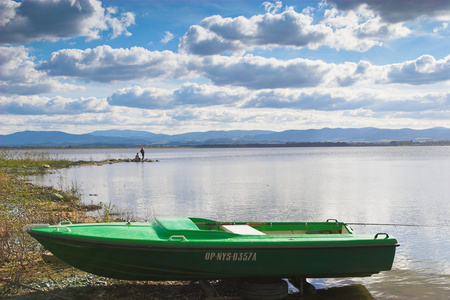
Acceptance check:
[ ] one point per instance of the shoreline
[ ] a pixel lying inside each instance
(399, 143)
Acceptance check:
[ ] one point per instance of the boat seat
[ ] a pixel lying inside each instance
(176, 223)
(242, 229)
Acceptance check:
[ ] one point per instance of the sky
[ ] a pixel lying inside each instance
(186, 66)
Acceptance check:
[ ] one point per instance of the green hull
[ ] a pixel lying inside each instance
(193, 249)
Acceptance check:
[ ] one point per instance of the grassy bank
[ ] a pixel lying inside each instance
(22, 203)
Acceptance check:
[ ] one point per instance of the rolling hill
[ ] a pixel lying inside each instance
(233, 137)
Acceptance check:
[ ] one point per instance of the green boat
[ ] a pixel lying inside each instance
(180, 248)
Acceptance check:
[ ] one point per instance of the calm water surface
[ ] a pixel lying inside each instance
(399, 185)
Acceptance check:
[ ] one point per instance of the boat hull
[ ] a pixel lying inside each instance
(183, 257)
(186, 263)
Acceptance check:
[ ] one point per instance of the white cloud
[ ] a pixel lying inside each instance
(280, 109)
(272, 7)
(7, 11)
(423, 70)
(27, 21)
(220, 35)
(105, 64)
(258, 72)
(310, 99)
(189, 94)
(442, 27)
(342, 99)
(120, 25)
(196, 95)
(168, 36)
(357, 30)
(35, 105)
(148, 98)
(201, 41)
(400, 10)
(18, 74)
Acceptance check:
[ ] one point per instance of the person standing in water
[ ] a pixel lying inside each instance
(143, 153)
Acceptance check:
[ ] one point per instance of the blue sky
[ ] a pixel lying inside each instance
(182, 66)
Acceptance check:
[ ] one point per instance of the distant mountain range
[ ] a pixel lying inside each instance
(233, 137)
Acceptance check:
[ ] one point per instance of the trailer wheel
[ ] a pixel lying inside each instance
(263, 289)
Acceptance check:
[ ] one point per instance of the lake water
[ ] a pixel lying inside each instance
(386, 185)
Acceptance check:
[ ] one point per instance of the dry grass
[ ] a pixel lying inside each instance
(22, 203)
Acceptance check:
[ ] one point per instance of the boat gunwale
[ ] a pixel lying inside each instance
(176, 244)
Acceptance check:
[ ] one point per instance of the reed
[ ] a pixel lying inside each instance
(24, 162)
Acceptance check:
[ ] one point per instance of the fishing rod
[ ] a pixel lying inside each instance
(387, 224)
(305, 223)
(399, 225)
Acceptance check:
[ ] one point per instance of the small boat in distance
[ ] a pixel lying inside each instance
(181, 248)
